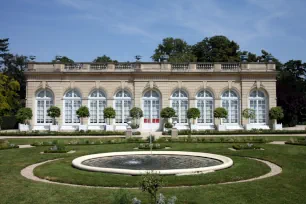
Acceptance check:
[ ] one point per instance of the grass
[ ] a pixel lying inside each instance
(288, 187)
(63, 172)
(66, 140)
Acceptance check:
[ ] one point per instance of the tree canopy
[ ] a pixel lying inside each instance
(216, 49)
(8, 94)
(104, 58)
(62, 59)
(177, 49)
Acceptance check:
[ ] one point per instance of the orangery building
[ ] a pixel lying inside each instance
(151, 86)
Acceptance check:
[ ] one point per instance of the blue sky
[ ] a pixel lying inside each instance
(121, 29)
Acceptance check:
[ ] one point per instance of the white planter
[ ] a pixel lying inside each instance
(54, 128)
(221, 127)
(83, 127)
(23, 127)
(277, 126)
(194, 127)
(109, 127)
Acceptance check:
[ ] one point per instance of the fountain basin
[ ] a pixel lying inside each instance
(159, 162)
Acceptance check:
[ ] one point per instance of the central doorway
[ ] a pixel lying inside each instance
(151, 110)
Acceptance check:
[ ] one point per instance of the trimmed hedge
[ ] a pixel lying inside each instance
(9, 123)
(237, 132)
(76, 133)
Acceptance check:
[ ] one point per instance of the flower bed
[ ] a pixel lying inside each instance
(57, 148)
(299, 141)
(245, 146)
(4, 144)
(237, 132)
(154, 146)
(75, 133)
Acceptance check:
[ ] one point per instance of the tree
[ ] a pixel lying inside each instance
(193, 113)
(54, 112)
(109, 113)
(104, 58)
(276, 113)
(14, 67)
(167, 113)
(151, 183)
(9, 102)
(3, 48)
(216, 49)
(136, 113)
(63, 59)
(291, 91)
(249, 113)
(24, 114)
(177, 49)
(82, 112)
(220, 113)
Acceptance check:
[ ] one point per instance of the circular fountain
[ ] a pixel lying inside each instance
(161, 162)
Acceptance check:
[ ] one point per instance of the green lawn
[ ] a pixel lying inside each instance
(288, 187)
(32, 140)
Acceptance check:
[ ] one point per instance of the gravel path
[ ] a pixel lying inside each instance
(28, 173)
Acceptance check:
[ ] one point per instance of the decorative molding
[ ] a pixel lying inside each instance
(179, 84)
(204, 85)
(230, 84)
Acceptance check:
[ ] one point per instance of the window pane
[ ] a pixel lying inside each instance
(234, 111)
(102, 105)
(93, 111)
(200, 106)
(118, 108)
(209, 111)
(183, 111)
(127, 107)
(225, 104)
(147, 107)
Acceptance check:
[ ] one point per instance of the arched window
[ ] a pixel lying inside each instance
(123, 104)
(72, 102)
(258, 103)
(44, 99)
(179, 102)
(97, 103)
(231, 103)
(205, 105)
(151, 107)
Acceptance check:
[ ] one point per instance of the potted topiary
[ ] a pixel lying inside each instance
(136, 114)
(54, 112)
(220, 113)
(167, 113)
(109, 113)
(193, 113)
(249, 113)
(276, 113)
(82, 112)
(23, 115)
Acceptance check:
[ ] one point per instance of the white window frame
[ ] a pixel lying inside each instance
(97, 99)
(205, 99)
(123, 99)
(180, 99)
(73, 99)
(151, 98)
(44, 99)
(258, 98)
(230, 99)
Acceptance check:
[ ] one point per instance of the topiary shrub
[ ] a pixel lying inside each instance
(249, 113)
(54, 112)
(276, 113)
(109, 113)
(167, 113)
(82, 112)
(24, 114)
(136, 113)
(193, 113)
(220, 113)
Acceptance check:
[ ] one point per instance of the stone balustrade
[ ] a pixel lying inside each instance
(150, 67)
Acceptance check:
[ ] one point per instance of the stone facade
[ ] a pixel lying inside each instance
(138, 78)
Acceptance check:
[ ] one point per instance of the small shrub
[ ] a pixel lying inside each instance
(249, 113)
(82, 112)
(167, 113)
(245, 146)
(220, 113)
(276, 113)
(109, 113)
(54, 112)
(193, 113)
(168, 125)
(134, 126)
(151, 183)
(24, 114)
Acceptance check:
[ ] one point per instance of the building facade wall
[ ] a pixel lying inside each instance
(138, 84)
